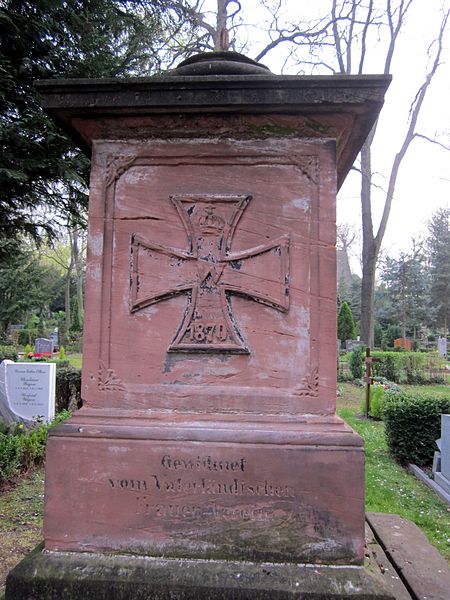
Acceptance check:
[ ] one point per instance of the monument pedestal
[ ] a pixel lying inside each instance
(209, 440)
(196, 486)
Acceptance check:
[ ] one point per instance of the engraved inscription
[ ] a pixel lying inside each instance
(209, 511)
(205, 463)
(189, 488)
(208, 271)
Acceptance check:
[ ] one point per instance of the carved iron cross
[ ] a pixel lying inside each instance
(208, 271)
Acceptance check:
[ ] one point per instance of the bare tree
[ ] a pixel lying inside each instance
(340, 41)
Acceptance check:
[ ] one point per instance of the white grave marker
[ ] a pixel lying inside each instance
(442, 478)
(30, 390)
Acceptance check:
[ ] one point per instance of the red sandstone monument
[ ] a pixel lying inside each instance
(209, 378)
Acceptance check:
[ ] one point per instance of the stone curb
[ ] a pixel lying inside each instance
(423, 477)
(422, 569)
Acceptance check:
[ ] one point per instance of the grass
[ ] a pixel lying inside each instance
(21, 511)
(75, 360)
(389, 488)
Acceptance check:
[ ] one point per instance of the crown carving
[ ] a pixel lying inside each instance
(209, 222)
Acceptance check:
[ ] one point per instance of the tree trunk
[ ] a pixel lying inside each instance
(77, 261)
(221, 40)
(367, 297)
(370, 250)
(67, 302)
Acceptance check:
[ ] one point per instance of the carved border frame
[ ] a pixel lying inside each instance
(117, 165)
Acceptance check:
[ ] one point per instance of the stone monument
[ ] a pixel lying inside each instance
(208, 460)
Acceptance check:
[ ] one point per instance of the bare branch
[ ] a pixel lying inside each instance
(364, 37)
(410, 134)
(337, 39)
(433, 141)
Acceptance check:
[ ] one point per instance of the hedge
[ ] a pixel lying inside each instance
(413, 424)
(408, 367)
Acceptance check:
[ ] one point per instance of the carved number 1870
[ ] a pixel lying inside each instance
(207, 332)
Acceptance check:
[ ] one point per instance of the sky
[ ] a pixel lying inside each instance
(423, 183)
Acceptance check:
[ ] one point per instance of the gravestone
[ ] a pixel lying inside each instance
(442, 346)
(442, 476)
(209, 362)
(352, 344)
(54, 337)
(43, 346)
(27, 391)
(6, 414)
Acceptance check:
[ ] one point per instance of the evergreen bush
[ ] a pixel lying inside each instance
(346, 327)
(68, 387)
(413, 424)
(356, 362)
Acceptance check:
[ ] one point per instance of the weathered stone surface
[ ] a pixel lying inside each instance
(57, 576)
(227, 321)
(207, 488)
(338, 107)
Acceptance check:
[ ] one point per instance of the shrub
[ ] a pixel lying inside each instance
(9, 456)
(346, 323)
(24, 447)
(68, 387)
(27, 336)
(8, 353)
(356, 362)
(413, 424)
(376, 402)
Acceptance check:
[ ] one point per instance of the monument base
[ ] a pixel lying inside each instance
(206, 487)
(46, 575)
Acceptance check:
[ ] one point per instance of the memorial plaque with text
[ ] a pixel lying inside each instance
(31, 390)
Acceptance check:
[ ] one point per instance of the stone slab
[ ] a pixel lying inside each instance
(378, 562)
(70, 576)
(43, 346)
(183, 487)
(419, 564)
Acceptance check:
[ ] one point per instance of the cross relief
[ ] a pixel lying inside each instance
(208, 271)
